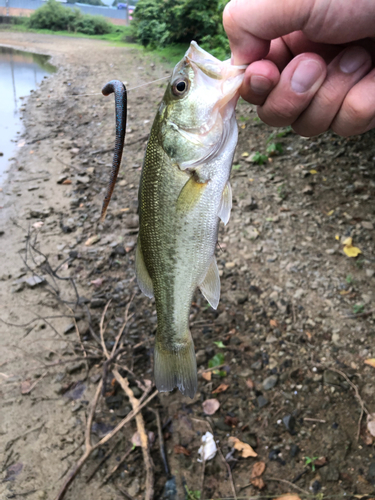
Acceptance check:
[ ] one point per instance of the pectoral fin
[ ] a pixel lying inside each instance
(226, 204)
(190, 195)
(210, 286)
(143, 278)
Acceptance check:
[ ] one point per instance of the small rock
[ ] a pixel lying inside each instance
(69, 329)
(82, 179)
(270, 382)
(330, 473)
(308, 190)
(290, 422)
(294, 450)
(201, 357)
(62, 178)
(96, 303)
(75, 367)
(367, 225)
(34, 281)
(262, 401)
(316, 486)
(230, 265)
(370, 273)
(257, 365)
(245, 373)
(133, 489)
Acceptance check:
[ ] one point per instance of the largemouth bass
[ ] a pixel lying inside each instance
(183, 194)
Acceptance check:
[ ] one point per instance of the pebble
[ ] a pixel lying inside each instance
(270, 382)
(96, 303)
(294, 450)
(290, 422)
(75, 367)
(34, 281)
(367, 225)
(370, 273)
(262, 401)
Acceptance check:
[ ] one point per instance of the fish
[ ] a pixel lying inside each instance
(184, 192)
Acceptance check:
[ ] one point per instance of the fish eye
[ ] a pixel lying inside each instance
(180, 87)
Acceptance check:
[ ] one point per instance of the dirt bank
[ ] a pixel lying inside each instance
(293, 303)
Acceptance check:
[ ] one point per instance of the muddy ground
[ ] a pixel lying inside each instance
(295, 321)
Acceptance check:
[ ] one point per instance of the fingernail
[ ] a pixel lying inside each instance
(304, 77)
(260, 85)
(353, 59)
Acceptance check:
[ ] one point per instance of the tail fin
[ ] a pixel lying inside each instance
(177, 368)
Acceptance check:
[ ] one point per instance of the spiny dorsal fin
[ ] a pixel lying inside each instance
(226, 204)
(210, 286)
(143, 278)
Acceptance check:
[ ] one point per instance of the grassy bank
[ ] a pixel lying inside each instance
(120, 36)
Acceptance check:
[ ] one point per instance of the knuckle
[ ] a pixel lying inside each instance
(282, 111)
(357, 110)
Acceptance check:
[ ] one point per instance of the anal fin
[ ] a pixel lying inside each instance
(226, 204)
(143, 278)
(210, 287)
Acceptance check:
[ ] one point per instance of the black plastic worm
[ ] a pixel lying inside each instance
(121, 101)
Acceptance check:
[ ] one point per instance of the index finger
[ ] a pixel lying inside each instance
(251, 24)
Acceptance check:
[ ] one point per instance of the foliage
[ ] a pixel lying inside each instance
(259, 158)
(55, 17)
(158, 23)
(311, 461)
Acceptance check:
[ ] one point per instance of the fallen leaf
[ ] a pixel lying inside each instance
(231, 421)
(207, 376)
(331, 212)
(245, 154)
(221, 388)
(258, 469)
(258, 483)
(181, 450)
(371, 424)
(370, 362)
(98, 282)
(288, 496)
(245, 449)
(309, 336)
(351, 251)
(25, 386)
(210, 406)
(92, 240)
(67, 181)
(313, 172)
(273, 323)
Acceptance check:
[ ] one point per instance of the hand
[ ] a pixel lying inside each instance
(310, 62)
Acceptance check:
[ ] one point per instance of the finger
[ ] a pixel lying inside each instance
(357, 112)
(298, 84)
(342, 74)
(250, 23)
(260, 78)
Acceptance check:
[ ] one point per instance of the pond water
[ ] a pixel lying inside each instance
(20, 72)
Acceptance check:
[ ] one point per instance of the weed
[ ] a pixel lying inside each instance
(192, 494)
(259, 158)
(311, 461)
(358, 308)
(274, 148)
(349, 279)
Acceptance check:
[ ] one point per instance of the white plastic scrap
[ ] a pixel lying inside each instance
(208, 449)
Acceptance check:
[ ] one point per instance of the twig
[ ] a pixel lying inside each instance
(35, 383)
(306, 419)
(12, 441)
(142, 433)
(360, 400)
(288, 483)
(161, 443)
(101, 462)
(117, 466)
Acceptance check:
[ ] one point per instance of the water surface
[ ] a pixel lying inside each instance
(20, 72)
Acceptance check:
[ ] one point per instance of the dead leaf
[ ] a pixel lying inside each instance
(231, 421)
(67, 181)
(181, 450)
(207, 376)
(210, 406)
(25, 386)
(221, 388)
(245, 449)
(370, 362)
(98, 282)
(349, 249)
(309, 335)
(273, 323)
(258, 469)
(92, 240)
(288, 496)
(258, 483)
(249, 383)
